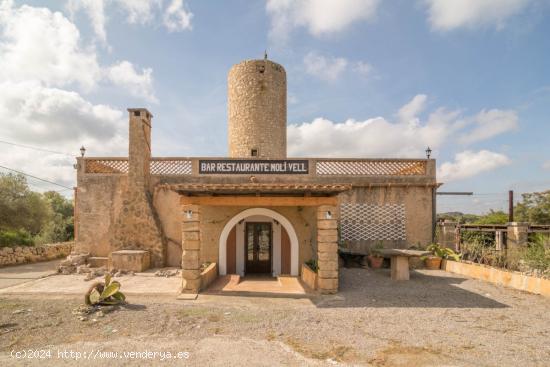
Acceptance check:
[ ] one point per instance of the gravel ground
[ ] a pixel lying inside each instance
(435, 319)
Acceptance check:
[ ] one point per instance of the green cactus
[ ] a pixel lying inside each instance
(106, 293)
(443, 252)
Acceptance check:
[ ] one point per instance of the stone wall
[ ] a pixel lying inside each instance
(257, 109)
(32, 254)
(417, 204)
(100, 201)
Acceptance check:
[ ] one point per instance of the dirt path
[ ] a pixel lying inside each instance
(434, 320)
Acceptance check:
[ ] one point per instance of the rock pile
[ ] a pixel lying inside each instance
(70, 264)
(167, 273)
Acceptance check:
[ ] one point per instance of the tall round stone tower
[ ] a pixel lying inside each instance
(257, 110)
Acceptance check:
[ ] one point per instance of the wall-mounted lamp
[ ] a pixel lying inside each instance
(188, 214)
(428, 152)
(82, 151)
(328, 214)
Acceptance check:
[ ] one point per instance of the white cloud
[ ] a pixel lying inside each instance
(411, 110)
(407, 137)
(373, 137)
(450, 14)
(176, 17)
(489, 124)
(363, 68)
(124, 74)
(61, 120)
(139, 11)
(96, 12)
(546, 165)
(318, 16)
(41, 45)
(43, 70)
(45, 47)
(324, 68)
(468, 164)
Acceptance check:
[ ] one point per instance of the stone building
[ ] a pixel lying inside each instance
(256, 211)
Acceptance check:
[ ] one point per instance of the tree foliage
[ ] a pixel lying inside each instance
(28, 217)
(534, 208)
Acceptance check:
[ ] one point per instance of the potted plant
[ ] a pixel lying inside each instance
(433, 261)
(309, 273)
(375, 256)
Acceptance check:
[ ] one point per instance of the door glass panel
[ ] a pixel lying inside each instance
(250, 241)
(264, 240)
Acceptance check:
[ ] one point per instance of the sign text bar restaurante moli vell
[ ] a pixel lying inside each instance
(253, 166)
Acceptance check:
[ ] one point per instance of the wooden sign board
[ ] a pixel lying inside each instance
(254, 166)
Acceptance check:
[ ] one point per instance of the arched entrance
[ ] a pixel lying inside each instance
(257, 215)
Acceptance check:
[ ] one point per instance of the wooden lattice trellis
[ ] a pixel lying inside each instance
(157, 166)
(171, 167)
(368, 168)
(106, 166)
(372, 222)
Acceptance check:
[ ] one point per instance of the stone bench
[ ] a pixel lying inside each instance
(400, 261)
(130, 260)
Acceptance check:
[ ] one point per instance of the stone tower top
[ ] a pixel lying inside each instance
(257, 110)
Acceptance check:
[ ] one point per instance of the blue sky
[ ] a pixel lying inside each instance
(366, 78)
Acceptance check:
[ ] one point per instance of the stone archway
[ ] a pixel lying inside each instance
(222, 257)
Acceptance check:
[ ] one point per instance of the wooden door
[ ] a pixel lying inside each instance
(231, 252)
(258, 247)
(285, 252)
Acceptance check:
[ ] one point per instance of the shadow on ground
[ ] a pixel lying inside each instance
(374, 288)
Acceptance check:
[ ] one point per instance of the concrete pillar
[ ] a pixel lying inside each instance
(447, 236)
(327, 249)
(139, 151)
(517, 234)
(499, 240)
(191, 244)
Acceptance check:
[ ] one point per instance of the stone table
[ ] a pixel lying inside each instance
(400, 261)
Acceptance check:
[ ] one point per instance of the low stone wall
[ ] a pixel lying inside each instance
(309, 277)
(208, 275)
(502, 277)
(32, 254)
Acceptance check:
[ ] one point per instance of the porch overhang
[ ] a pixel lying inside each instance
(259, 194)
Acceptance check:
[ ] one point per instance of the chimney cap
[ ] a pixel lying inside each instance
(147, 113)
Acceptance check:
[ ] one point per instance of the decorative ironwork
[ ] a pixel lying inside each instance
(119, 166)
(372, 222)
(368, 168)
(171, 167)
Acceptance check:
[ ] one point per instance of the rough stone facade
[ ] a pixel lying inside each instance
(32, 254)
(137, 226)
(134, 203)
(257, 109)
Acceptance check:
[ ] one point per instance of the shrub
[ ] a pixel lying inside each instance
(312, 264)
(536, 256)
(16, 238)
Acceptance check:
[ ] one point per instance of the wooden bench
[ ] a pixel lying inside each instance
(400, 261)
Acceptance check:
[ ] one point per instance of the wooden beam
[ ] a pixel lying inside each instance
(259, 200)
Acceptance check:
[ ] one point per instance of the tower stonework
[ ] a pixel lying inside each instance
(137, 226)
(257, 110)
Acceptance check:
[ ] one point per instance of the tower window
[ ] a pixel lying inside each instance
(254, 152)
